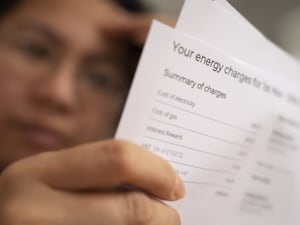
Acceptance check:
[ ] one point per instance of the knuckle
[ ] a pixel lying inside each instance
(139, 209)
(120, 156)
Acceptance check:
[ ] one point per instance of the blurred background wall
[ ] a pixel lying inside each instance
(279, 20)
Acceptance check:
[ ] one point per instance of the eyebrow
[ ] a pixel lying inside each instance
(50, 34)
(41, 29)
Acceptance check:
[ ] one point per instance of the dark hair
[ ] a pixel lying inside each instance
(132, 5)
(7, 5)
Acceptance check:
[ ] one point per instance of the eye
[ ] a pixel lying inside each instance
(35, 49)
(101, 79)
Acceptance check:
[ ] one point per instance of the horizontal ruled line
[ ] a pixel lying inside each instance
(202, 134)
(194, 149)
(208, 118)
(203, 168)
(206, 184)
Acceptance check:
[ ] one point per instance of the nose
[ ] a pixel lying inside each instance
(56, 91)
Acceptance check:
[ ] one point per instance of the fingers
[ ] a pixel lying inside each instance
(42, 206)
(106, 166)
(123, 208)
(78, 186)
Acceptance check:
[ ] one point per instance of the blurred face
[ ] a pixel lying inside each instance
(62, 80)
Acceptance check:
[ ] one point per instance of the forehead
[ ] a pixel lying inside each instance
(87, 9)
(76, 18)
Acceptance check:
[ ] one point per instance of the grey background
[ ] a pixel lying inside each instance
(278, 19)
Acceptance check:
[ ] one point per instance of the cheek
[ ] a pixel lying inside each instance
(99, 122)
(12, 86)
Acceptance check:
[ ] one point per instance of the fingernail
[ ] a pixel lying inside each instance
(179, 189)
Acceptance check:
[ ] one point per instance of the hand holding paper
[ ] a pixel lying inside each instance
(230, 129)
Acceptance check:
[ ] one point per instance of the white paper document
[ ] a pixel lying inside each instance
(218, 23)
(230, 129)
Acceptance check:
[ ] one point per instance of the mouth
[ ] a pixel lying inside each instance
(43, 138)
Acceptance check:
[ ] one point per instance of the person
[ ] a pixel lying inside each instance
(64, 74)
